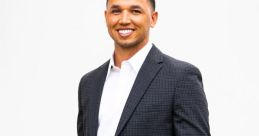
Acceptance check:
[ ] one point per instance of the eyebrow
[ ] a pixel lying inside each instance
(131, 7)
(115, 6)
(135, 7)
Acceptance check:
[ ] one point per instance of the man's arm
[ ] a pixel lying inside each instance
(80, 131)
(80, 118)
(190, 105)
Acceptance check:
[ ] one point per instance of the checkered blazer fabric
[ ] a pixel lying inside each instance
(167, 99)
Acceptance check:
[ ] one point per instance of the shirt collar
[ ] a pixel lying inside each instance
(138, 59)
(135, 61)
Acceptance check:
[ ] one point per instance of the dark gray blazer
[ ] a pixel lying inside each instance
(167, 99)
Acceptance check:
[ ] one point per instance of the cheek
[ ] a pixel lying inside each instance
(142, 22)
(112, 22)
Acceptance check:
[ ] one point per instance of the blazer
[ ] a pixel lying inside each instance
(167, 99)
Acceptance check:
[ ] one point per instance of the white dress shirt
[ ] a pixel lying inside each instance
(116, 90)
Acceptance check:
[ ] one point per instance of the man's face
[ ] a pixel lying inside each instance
(129, 21)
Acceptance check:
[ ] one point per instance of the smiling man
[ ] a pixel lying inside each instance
(140, 91)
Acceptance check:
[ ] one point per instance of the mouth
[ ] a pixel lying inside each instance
(125, 32)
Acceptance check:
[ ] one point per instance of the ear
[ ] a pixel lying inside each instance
(154, 18)
(105, 15)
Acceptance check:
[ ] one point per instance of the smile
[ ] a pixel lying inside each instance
(125, 32)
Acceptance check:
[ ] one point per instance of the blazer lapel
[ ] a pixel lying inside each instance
(94, 101)
(148, 71)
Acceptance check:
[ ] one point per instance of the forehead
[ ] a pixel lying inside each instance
(122, 3)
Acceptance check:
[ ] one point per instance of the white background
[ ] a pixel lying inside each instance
(47, 45)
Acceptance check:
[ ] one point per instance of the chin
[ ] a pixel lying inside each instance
(127, 44)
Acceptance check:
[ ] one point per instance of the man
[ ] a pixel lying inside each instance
(140, 91)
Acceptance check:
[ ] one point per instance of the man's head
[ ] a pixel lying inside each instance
(129, 21)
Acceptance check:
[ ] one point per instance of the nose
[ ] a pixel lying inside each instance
(125, 18)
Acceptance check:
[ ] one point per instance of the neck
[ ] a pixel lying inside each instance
(122, 53)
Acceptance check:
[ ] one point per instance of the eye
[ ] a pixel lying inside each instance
(115, 11)
(136, 12)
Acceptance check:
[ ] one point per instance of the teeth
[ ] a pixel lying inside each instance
(125, 32)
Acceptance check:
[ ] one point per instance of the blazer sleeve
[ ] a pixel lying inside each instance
(80, 118)
(190, 105)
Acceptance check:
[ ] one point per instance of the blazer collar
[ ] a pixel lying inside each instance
(95, 98)
(147, 73)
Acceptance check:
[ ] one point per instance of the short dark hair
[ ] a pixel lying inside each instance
(152, 2)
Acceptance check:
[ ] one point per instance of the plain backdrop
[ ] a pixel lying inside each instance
(46, 46)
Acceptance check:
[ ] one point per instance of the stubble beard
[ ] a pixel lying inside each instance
(130, 44)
